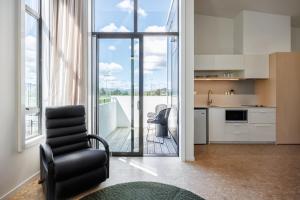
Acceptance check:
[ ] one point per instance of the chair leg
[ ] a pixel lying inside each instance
(159, 141)
(148, 140)
(148, 129)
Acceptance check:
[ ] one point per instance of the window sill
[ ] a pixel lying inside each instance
(34, 141)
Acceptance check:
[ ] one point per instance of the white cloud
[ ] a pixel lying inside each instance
(112, 48)
(107, 78)
(30, 59)
(142, 12)
(110, 28)
(151, 84)
(113, 82)
(155, 29)
(155, 45)
(154, 63)
(123, 29)
(113, 28)
(125, 85)
(155, 54)
(30, 51)
(128, 6)
(30, 43)
(110, 67)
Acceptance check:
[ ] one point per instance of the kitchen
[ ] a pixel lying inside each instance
(246, 76)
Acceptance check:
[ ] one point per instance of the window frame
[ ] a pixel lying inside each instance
(23, 141)
(36, 110)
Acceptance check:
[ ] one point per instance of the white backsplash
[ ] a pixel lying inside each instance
(226, 100)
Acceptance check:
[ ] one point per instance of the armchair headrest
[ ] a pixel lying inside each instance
(65, 112)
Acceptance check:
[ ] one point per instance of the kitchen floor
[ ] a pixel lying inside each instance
(219, 172)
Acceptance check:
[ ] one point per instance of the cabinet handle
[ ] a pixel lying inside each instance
(237, 124)
(237, 132)
(263, 125)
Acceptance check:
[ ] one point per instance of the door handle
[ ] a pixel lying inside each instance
(138, 105)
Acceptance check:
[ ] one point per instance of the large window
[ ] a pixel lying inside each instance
(32, 69)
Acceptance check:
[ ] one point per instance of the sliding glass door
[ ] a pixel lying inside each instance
(119, 99)
(135, 71)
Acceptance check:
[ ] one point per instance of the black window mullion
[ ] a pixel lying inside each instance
(135, 16)
(132, 94)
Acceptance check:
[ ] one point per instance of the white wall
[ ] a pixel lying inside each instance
(123, 118)
(220, 87)
(149, 106)
(117, 113)
(296, 39)
(107, 118)
(14, 167)
(213, 35)
(266, 33)
(238, 34)
(186, 76)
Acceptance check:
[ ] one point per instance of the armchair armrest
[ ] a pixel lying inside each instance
(99, 139)
(46, 153)
(106, 146)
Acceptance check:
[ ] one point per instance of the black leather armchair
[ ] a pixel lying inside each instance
(68, 162)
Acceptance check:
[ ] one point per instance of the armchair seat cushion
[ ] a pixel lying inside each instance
(78, 162)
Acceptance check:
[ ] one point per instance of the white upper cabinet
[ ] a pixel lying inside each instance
(253, 66)
(242, 43)
(219, 62)
(204, 62)
(229, 62)
(256, 66)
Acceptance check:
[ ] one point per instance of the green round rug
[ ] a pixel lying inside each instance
(142, 191)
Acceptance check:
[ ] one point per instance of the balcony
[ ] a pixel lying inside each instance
(115, 126)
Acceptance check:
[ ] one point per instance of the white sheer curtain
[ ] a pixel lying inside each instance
(67, 69)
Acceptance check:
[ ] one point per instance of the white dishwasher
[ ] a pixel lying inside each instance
(200, 126)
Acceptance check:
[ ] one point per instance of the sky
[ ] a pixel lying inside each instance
(114, 54)
(31, 50)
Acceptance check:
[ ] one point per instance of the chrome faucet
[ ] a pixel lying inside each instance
(209, 99)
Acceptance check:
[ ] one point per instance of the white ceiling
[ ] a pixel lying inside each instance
(230, 8)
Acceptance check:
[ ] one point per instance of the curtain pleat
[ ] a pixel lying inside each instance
(67, 84)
